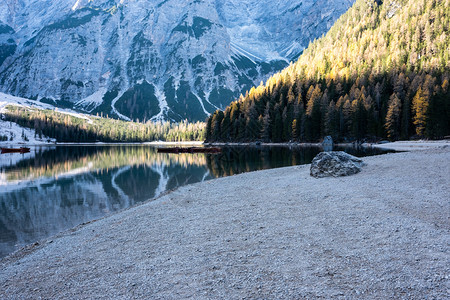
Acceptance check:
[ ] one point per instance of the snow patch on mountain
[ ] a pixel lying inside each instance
(93, 101)
(6, 100)
(163, 106)
(76, 5)
(235, 48)
(17, 135)
(115, 111)
(195, 56)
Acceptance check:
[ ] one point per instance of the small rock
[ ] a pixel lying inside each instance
(327, 144)
(335, 163)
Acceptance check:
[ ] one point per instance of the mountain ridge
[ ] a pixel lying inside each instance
(154, 60)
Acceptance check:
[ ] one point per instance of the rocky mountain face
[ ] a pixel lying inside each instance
(7, 43)
(152, 59)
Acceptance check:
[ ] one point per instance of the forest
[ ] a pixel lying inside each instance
(68, 128)
(382, 71)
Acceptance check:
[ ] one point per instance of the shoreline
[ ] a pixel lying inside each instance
(412, 145)
(155, 143)
(260, 234)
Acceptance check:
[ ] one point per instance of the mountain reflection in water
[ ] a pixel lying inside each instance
(52, 189)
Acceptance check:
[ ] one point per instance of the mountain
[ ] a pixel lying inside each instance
(382, 71)
(7, 44)
(152, 59)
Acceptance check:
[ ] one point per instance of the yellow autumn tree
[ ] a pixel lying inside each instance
(420, 107)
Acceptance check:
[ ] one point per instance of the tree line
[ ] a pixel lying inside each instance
(69, 128)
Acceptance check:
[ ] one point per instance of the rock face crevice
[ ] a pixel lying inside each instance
(335, 164)
(182, 59)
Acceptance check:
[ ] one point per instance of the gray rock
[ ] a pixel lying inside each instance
(335, 163)
(327, 144)
(327, 140)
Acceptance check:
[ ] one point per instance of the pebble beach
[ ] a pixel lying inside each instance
(274, 234)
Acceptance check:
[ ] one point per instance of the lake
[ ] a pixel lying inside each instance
(55, 188)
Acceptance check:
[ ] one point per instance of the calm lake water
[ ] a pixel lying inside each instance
(52, 189)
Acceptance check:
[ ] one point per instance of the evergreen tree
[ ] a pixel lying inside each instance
(277, 128)
(393, 117)
(225, 127)
(332, 122)
(266, 129)
(208, 129)
(420, 106)
(295, 130)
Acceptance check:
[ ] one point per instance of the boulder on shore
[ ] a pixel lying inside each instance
(335, 163)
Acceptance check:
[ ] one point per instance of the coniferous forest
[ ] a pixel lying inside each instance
(69, 128)
(382, 71)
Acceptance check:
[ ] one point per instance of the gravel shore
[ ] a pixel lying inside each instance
(274, 234)
(413, 145)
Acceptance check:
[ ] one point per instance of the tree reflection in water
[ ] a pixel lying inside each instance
(53, 189)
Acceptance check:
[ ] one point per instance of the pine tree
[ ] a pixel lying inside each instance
(393, 117)
(277, 128)
(208, 129)
(225, 127)
(420, 106)
(266, 129)
(295, 130)
(332, 122)
(253, 129)
(314, 115)
(359, 119)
